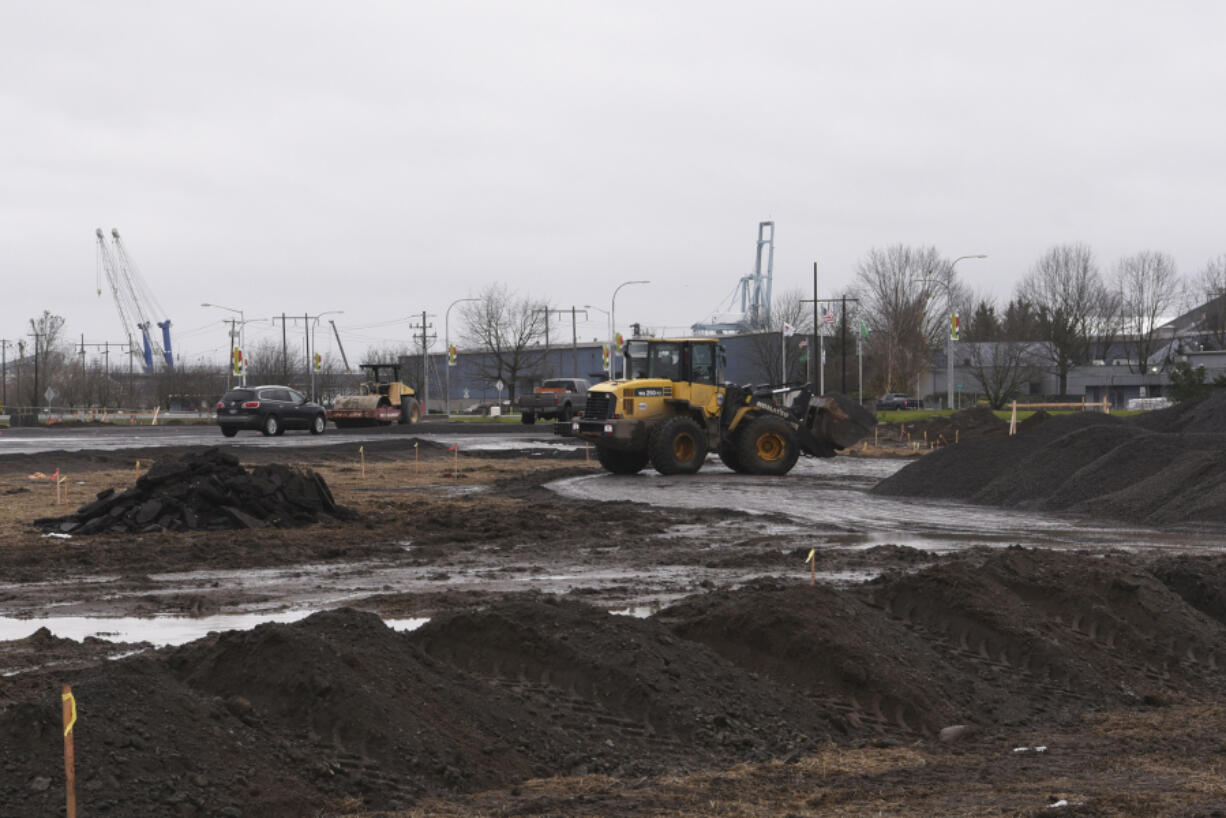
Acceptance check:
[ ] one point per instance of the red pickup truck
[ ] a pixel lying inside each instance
(557, 398)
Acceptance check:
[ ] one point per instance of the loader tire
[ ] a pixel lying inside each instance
(679, 446)
(728, 455)
(527, 417)
(767, 446)
(621, 462)
(410, 411)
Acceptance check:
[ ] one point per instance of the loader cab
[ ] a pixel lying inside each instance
(694, 361)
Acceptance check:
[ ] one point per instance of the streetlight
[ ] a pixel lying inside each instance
(310, 357)
(447, 341)
(949, 343)
(613, 327)
(242, 340)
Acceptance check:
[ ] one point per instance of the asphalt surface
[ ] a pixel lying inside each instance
(106, 437)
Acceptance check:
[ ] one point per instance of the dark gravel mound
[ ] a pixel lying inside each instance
(1086, 463)
(1205, 415)
(206, 490)
(1038, 479)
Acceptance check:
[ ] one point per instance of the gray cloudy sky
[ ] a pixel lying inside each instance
(388, 158)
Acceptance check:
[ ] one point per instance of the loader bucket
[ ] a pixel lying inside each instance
(840, 421)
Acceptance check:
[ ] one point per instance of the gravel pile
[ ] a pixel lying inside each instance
(210, 491)
(1163, 467)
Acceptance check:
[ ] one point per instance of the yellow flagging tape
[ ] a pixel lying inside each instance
(812, 554)
(68, 697)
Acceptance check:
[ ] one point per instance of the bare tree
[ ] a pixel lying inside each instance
(507, 327)
(1071, 302)
(1148, 288)
(766, 346)
(1002, 358)
(906, 295)
(49, 356)
(1208, 288)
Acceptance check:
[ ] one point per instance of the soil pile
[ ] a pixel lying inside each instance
(206, 490)
(1011, 637)
(283, 719)
(1086, 463)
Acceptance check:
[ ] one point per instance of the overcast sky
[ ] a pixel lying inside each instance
(388, 158)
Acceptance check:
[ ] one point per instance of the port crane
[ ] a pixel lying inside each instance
(754, 291)
(134, 300)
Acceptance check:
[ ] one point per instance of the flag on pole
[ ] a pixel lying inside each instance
(788, 330)
(954, 327)
(451, 352)
(827, 316)
(863, 330)
(804, 342)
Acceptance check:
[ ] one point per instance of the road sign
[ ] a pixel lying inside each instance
(49, 394)
(500, 386)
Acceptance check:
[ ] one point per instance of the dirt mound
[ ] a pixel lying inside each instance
(205, 490)
(994, 638)
(1086, 463)
(281, 718)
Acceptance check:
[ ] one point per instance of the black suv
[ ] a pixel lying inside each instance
(271, 409)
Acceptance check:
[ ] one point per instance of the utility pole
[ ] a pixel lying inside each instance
(4, 368)
(574, 340)
(36, 336)
(573, 334)
(423, 377)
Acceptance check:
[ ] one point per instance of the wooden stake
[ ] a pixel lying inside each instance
(416, 459)
(362, 456)
(70, 767)
(456, 449)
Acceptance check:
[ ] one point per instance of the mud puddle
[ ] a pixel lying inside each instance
(830, 499)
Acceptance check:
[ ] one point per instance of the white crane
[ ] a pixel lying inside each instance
(133, 299)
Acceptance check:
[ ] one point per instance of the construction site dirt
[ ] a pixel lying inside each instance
(507, 630)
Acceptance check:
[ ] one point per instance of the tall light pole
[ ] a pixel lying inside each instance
(447, 341)
(613, 325)
(311, 357)
(949, 343)
(242, 338)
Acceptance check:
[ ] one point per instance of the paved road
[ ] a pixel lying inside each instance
(110, 438)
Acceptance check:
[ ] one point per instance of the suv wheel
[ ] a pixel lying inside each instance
(272, 426)
(317, 424)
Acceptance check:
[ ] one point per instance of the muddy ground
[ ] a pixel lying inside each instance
(1012, 681)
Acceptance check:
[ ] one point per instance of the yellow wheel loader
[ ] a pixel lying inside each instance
(674, 408)
(383, 399)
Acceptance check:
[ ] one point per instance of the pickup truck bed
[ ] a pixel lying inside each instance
(557, 398)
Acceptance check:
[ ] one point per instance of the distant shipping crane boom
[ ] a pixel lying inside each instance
(134, 300)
